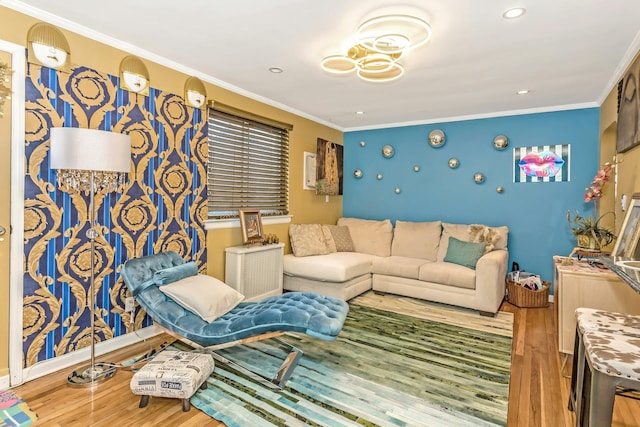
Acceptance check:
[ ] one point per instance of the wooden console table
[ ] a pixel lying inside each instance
(584, 285)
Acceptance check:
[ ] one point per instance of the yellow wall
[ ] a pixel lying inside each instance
(304, 205)
(628, 174)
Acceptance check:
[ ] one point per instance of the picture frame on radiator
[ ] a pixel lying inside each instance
(251, 226)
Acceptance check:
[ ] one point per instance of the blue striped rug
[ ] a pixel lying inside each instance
(385, 369)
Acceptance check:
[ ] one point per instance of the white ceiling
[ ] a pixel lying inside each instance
(568, 53)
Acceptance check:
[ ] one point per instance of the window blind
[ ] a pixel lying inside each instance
(248, 166)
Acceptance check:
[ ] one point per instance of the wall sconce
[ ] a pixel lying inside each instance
(134, 76)
(46, 45)
(195, 94)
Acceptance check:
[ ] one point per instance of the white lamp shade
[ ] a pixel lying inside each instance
(135, 82)
(89, 149)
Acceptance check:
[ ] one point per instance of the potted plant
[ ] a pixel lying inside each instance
(587, 229)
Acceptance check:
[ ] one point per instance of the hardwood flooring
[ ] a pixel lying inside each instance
(537, 397)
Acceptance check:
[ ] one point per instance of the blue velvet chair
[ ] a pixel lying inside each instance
(306, 312)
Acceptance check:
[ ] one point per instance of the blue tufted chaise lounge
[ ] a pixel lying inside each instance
(310, 313)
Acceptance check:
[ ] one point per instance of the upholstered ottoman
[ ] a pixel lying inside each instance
(176, 374)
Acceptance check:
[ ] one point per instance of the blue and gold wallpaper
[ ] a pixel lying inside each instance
(163, 206)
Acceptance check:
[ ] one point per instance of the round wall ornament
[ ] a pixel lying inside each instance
(478, 177)
(437, 138)
(387, 151)
(500, 142)
(357, 173)
(454, 163)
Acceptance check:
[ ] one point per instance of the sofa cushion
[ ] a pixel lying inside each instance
(334, 267)
(310, 239)
(370, 236)
(464, 253)
(398, 266)
(416, 239)
(446, 273)
(341, 237)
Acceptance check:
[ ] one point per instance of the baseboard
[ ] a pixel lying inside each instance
(52, 365)
(4, 382)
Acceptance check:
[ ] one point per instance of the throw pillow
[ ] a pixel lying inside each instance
(464, 253)
(341, 237)
(483, 234)
(173, 274)
(203, 295)
(309, 239)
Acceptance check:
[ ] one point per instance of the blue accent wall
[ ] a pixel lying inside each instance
(534, 212)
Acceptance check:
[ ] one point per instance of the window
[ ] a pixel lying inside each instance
(248, 164)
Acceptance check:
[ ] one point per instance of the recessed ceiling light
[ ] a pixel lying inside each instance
(515, 12)
(276, 70)
(359, 113)
(523, 92)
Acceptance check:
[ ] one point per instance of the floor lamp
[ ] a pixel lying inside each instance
(90, 161)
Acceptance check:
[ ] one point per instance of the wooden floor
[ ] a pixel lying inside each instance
(537, 396)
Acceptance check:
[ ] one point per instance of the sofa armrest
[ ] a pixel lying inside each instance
(491, 271)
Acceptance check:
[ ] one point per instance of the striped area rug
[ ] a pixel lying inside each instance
(412, 363)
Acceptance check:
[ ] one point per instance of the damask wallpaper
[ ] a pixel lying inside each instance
(163, 206)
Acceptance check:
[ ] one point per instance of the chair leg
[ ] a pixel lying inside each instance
(287, 367)
(574, 369)
(602, 396)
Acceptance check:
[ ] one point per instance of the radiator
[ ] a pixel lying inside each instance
(255, 271)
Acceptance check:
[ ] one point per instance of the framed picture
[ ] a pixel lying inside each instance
(627, 245)
(251, 225)
(629, 109)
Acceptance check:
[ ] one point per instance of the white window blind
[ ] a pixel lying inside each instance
(248, 165)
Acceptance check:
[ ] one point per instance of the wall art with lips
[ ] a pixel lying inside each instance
(542, 163)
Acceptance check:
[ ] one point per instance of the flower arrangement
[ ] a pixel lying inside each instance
(587, 228)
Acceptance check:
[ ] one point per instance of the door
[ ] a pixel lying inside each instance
(11, 212)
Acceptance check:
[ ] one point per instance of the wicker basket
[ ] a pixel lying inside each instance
(523, 297)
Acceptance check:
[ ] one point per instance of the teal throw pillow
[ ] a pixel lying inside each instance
(464, 253)
(173, 274)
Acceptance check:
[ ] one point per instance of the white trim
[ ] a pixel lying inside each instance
(135, 50)
(479, 116)
(17, 209)
(622, 66)
(551, 299)
(218, 224)
(57, 363)
(4, 382)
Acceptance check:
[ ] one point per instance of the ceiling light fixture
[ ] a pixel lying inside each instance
(380, 43)
(523, 92)
(515, 12)
(276, 70)
(46, 45)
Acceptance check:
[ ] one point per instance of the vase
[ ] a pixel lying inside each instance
(587, 241)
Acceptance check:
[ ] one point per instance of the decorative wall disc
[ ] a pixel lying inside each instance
(416, 168)
(437, 138)
(387, 151)
(500, 189)
(478, 177)
(379, 176)
(500, 142)
(362, 144)
(453, 163)
(357, 173)
(397, 190)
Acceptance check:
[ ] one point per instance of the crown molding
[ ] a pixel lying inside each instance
(626, 60)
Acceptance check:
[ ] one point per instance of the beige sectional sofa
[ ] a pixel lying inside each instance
(458, 264)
